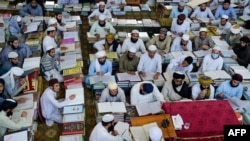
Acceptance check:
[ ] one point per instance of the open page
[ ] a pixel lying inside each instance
(104, 107)
(138, 133)
(17, 136)
(29, 119)
(118, 107)
(29, 103)
(123, 129)
(79, 93)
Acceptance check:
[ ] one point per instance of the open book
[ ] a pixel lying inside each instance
(123, 129)
(31, 63)
(128, 77)
(76, 137)
(111, 107)
(79, 117)
(150, 76)
(218, 74)
(17, 136)
(16, 116)
(148, 108)
(104, 79)
(28, 104)
(69, 61)
(79, 99)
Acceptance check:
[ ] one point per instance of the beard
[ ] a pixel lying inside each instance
(34, 7)
(202, 10)
(180, 10)
(102, 63)
(162, 39)
(231, 84)
(111, 128)
(13, 64)
(129, 58)
(102, 25)
(133, 40)
(179, 23)
(59, 20)
(13, 47)
(224, 8)
(101, 11)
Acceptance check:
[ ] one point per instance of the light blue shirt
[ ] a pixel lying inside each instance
(228, 90)
(105, 68)
(14, 28)
(175, 13)
(229, 12)
(28, 10)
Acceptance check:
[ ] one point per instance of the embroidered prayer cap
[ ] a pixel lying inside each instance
(132, 49)
(237, 77)
(101, 3)
(135, 31)
(181, 3)
(9, 104)
(235, 29)
(12, 38)
(178, 75)
(148, 87)
(100, 54)
(52, 21)
(163, 31)
(245, 39)
(110, 36)
(49, 47)
(216, 48)
(155, 133)
(17, 71)
(203, 29)
(18, 19)
(189, 59)
(51, 28)
(112, 86)
(224, 16)
(108, 118)
(182, 17)
(12, 54)
(185, 37)
(205, 80)
(102, 17)
(53, 81)
(152, 48)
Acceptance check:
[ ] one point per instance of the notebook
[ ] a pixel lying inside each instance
(148, 108)
(111, 107)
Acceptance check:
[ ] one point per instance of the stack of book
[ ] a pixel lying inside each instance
(49, 4)
(77, 7)
(127, 80)
(4, 4)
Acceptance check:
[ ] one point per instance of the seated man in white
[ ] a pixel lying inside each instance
(50, 105)
(202, 12)
(116, 3)
(113, 93)
(145, 92)
(182, 64)
(134, 41)
(181, 44)
(204, 89)
(212, 61)
(180, 9)
(109, 44)
(223, 25)
(150, 62)
(180, 26)
(100, 11)
(177, 89)
(203, 41)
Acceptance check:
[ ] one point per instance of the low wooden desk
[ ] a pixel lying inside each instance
(168, 133)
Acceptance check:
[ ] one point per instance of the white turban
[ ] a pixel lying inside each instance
(100, 54)
(102, 17)
(18, 19)
(152, 48)
(52, 21)
(135, 31)
(216, 48)
(51, 28)
(101, 3)
(185, 37)
(12, 54)
(155, 133)
(49, 47)
(203, 29)
(224, 16)
(108, 118)
(132, 49)
(112, 86)
(17, 72)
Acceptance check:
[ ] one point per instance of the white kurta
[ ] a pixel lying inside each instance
(246, 10)
(147, 64)
(139, 45)
(210, 64)
(183, 28)
(176, 45)
(196, 90)
(136, 97)
(99, 133)
(222, 29)
(202, 14)
(174, 65)
(49, 41)
(97, 13)
(99, 45)
(97, 29)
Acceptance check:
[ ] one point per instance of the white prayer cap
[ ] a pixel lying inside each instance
(152, 48)
(112, 86)
(135, 31)
(235, 29)
(155, 133)
(102, 17)
(182, 3)
(224, 16)
(216, 48)
(185, 37)
(18, 19)
(51, 28)
(100, 54)
(52, 21)
(101, 3)
(12, 54)
(17, 71)
(203, 29)
(108, 118)
(49, 47)
(132, 49)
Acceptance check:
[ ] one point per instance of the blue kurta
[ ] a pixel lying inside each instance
(28, 10)
(228, 90)
(14, 28)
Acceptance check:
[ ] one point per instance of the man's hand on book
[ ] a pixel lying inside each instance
(143, 74)
(73, 96)
(100, 73)
(21, 82)
(131, 72)
(115, 133)
(24, 114)
(63, 48)
(21, 100)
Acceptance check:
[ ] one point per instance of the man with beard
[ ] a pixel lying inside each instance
(223, 25)
(129, 62)
(113, 93)
(31, 9)
(101, 28)
(61, 24)
(177, 89)
(109, 44)
(14, 45)
(100, 11)
(133, 41)
(230, 88)
(203, 42)
(150, 62)
(182, 64)
(181, 44)
(233, 36)
(202, 12)
(17, 27)
(104, 130)
(179, 10)
(242, 51)
(162, 41)
(180, 26)
(226, 9)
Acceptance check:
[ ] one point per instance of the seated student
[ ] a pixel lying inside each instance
(113, 93)
(230, 88)
(50, 105)
(100, 11)
(155, 134)
(233, 36)
(181, 44)
(109, 44)
(129, 62)
(134, 41)
(3, 93)
(50, 66)
(182, 64)
(177, 89)
(65, 2)
(14, 84)
(61, 26)
(17, 26)
(104, 130)
(21, 49)
(202, 11)
(145, 92)
(116, 3)
(223, 25)
(5, 122)
(180, 9)
(203, 41)
(162, 41)
(101, 28)
(203, 89)
(226, 9)
(31, 9)
(242, 51)
(180, 26)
